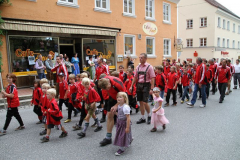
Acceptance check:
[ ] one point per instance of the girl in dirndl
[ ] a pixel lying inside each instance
(158, 117)
(123, 136)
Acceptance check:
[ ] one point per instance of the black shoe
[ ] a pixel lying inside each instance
(102, 120)
(164, 127)
(39, 122)
(81, 135)
(235, 88)
(105, 142)
(137, 110)
(130, 112)
(213, 93)
(149, 120)
(44, 139)
(44, 132)
(64, 134)
(141, 121)
(99, 106)
(220, 101)
(99, 128)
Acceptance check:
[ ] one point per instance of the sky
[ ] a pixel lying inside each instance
(232, 5)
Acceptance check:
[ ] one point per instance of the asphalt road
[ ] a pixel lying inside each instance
(211, 133)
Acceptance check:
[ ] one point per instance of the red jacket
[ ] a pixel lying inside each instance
(100, 70)
(185, 80)
(116, 86)
(208, 76)
(105, 94)
(172, 78)
(167, 70)
(223, 74)
(63, 87)
(200, 74)
(73, 89)
(123, 76)
(59, 69)
(232, 69)
(161, 81)
(91, 96)
(128, 84)
(54, 115)
(37, 93)
(12, 102)
(44, 103)
(213, 68)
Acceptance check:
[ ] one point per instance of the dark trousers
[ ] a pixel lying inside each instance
(236, 77)
(10, 113)
(200, 92)
(185, 93)
(207, 89)
(83, 115)
(38, 111)
(104, 112)
(132, 101)
(70, 109)
(61, 101)
(222, 89)
(213, 85)
(174, 95)
(180, 89)
(99, 92)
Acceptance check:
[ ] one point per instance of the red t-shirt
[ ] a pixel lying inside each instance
(63, 87)
(172, 78)
(105, 94)
(128, 84)
(73, 88)
(54, 115)
(100, 70)
(37, 93)
(223, 74)
(167, 70)
(91, 96)
(185, 80)
(12, 102)
(116, 86)
(200, 74)
(161, 81)
(44, 103)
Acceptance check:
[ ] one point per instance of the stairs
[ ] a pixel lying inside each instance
(24, 100)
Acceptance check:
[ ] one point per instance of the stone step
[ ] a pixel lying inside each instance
(23, 102)
(20, 98)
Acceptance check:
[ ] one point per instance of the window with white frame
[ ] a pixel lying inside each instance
(218, 42)
(238, 29)
(189, 42)
(102, 6)
(129, 7)
(167, 47)
(150, 13)
(233, 44)
(204, 22)
(166, 12)
(224, 25)
(68, 3)
(203, 42)
(238, 44)
(228, 25)
(150, 46)
(189, 24)
(227, 43)
(223, 43)
(219, 22)
(233, 27)
(129, 44)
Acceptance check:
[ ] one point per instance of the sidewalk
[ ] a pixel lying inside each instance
(23, 92)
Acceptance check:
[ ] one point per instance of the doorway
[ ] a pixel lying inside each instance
(67, 50)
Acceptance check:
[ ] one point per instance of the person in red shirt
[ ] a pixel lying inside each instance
(179, 72)
(191, 72)
(222, 76)
(54, 116)
(172, 81)
(63, 91)
(44, 106)
(122, 74)
(37, 93)
(131, 95)
(90, 97)
(11, 94)
(167, 67)
(232, 71)
(113, 85)
(161, 81)
(213, 68)
(185, 80)
(208, 78)
(199, 83)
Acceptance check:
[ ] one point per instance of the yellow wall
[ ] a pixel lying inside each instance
(3, 49)
(48, 10)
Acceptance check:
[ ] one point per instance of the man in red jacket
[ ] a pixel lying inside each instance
(167, 67)
(213, 68)
(222, 76)
(199, 83)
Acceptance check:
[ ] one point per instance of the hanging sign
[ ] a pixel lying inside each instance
(150, 28)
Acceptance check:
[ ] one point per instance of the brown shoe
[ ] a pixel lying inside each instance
(20, 128)
(166, 104)
(154, 129)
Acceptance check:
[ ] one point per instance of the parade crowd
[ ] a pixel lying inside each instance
(118, 94)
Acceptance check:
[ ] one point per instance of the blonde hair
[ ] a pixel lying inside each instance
(72, 76)
(52, 91)
(124, 96)
(103, 83)
(115, 74)
(102, 75)
(174, 68)
(78, 75)
(83, 75)
(44, 80)
(46, 85)
(85, 81)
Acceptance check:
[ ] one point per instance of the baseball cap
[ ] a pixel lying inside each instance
(61, 74)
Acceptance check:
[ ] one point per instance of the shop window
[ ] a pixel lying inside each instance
(189, 60)
(102, 6)
(129, 43)
(150, 10)
(150, 42)
(23, 49)
(167, 47)
(104, 48)
(166, 12)
(68, 3)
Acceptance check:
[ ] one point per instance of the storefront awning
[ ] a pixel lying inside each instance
(56, 28)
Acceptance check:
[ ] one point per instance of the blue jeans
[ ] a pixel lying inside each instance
(162, 94)
(203, 90)
(41, 75)
(185, 93)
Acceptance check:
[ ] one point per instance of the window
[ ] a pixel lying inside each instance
(150, 46)
(233, 27)
(32, 0)
(227, 43)
(233, 44)
(203, 42)
(223, 43)
(189, 42)
(238, 44)
(189, 23)
(204, 22)
(129, 43)
(228, 26)
(68, 3)
(238, 29)
(224, 24)
(129, 8)
(167, 47)
(150, 15)
(102, 6)
(219, 22)
(166, 12)
(218, 42)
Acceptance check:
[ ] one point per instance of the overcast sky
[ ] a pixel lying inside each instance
(232, 5)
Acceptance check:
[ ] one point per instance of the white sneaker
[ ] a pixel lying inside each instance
(190, 104)
(202, 106)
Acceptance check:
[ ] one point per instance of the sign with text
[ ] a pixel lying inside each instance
(150, 28)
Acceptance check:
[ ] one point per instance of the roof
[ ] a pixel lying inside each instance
(220, 6)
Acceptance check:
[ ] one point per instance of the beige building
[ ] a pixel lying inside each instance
(208, 30)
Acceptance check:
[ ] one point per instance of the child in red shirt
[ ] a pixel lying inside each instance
(63, 91)
(208, 78)
(185, 80)
(90, 97)
(191, 71)
(54, 115)
(11, 94)
(37, 93)
(161, 81)
(122, 74)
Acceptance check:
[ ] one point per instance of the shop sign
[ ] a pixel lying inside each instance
(224, 53)
(28, 52)
(100, 54)
(195, 54)
(150, 28)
